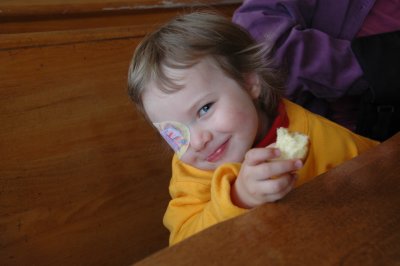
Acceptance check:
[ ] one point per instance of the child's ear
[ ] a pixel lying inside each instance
(253, 86)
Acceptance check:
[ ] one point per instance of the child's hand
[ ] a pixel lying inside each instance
(261, 180)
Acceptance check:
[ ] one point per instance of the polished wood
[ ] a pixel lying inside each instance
(347, 216)
(12, 8)
(83, 178)
(17, 16)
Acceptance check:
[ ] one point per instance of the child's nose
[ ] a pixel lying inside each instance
(199, 138)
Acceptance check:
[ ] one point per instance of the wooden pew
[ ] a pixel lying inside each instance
(83, 178)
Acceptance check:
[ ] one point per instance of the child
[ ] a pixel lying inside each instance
(208, 88)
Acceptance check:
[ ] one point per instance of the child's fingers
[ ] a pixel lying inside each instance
(272, 169)
(275, 189)
(260, 155)
(272, 145)
(282, 193)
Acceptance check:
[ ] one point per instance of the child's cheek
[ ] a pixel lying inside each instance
(232, 119)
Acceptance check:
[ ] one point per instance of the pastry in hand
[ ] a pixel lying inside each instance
(293, 145)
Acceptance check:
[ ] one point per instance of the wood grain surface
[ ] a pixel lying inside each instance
(17, 16)
(83, 178)
(13, 8)
(347, 216)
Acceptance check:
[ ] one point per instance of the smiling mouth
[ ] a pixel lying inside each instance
(217, 154)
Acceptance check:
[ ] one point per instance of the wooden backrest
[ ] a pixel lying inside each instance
(83, 178)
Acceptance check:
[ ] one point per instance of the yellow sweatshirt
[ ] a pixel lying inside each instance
(202, 198)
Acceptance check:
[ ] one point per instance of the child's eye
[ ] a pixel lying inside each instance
(203, 110)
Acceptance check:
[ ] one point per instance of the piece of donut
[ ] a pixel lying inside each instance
(293, 145)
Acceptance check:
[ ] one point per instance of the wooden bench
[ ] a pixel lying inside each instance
(83, 178)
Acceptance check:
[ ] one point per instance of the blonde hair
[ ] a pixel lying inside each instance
(186, 39)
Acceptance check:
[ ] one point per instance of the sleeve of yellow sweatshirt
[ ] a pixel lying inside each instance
(330, 143)
(199, 199)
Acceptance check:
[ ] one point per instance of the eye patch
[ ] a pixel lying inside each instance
(176, 134)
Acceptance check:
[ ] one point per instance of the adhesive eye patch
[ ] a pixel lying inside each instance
(176, 134)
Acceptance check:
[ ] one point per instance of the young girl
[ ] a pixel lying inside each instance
(209, 90)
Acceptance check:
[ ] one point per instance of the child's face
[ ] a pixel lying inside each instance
(219, 115)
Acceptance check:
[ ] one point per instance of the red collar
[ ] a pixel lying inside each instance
(281, 120)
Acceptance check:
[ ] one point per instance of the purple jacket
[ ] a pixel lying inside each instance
(312, 40)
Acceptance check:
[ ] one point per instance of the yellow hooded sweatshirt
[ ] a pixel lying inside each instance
(201, 198)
